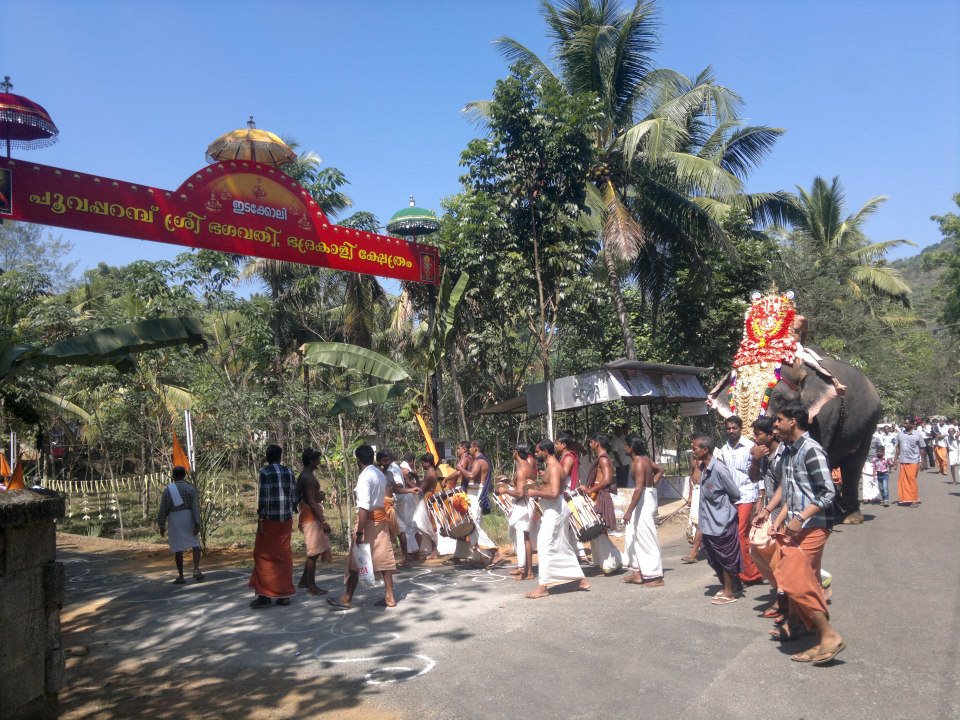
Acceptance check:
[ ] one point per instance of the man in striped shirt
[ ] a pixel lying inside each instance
(805, 493)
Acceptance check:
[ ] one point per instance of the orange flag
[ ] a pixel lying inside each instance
(179, 456)
(16, 482)
(4, 467)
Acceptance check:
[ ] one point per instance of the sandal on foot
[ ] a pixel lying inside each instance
(688, 560)
(827, 656)
(720, 600)
(771, 613)
(198, 576)
(317, 590)
(261, 601)
(803, 657)
(336, 604)
(179, 581)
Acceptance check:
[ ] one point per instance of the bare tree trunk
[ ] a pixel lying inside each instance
(458, 395)
(542, 331)
(613, 281)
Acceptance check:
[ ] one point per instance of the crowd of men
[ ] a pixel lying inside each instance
(761, 510)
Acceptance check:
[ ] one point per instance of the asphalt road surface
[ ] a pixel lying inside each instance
(464, 643)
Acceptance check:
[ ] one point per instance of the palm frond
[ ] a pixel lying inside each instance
(622, 236)
(747, 147)
(883, 280)
(702, 177)
(478, 112)
(66, 405)
(514, 52)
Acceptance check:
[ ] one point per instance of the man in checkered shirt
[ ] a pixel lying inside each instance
(805, 493)
(272, 557)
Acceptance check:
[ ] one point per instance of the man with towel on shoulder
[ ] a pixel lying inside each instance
(719, 492)
(372, 527)
(272, 557)
(179, 505)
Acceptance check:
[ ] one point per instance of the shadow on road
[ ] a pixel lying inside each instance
(142, 647)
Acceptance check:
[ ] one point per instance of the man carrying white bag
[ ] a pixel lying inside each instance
(371, 550)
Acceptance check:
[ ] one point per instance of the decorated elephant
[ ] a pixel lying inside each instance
(772, 367)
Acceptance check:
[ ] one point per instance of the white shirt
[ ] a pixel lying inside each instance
(737, 458)
(371, 484)
(397, 474)
(889, 442)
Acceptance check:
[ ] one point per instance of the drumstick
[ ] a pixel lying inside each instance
(578, 523)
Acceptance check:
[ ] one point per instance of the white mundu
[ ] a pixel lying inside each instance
(556, 544)
(477, 541)
(605, 554)
(429, 537)
(519, 522)
(641, 543)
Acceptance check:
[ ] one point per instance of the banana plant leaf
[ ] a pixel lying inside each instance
(447, 303)
(367, 396)
(109, 346)
(353, 357)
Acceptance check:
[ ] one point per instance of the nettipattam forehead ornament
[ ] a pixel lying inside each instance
(768, 330)
(768, 342)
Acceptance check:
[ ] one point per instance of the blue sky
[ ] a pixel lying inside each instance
(868, 91)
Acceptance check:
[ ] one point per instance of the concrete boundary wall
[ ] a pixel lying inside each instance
(31, 595)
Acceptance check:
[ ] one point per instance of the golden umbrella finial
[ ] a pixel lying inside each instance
(251, 144)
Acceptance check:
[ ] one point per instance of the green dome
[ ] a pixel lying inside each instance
(413, 220)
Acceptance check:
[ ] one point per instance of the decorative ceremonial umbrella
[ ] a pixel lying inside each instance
(251, 144)
(23, 123)
(413, 222)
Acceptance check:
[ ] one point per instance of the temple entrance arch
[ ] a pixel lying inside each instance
(237, 206)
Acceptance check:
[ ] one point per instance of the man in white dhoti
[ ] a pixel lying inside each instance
(521, 520)
(641, 543)
(180, 509)
(477, 546)
(429, 538)
(404, 506)
(556, 544)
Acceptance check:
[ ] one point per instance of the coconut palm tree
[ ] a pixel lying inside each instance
(671, 154)
(833, 240)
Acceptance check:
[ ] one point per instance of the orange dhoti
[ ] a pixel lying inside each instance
(391, 512)
(749, 572)
(907, 491)
(798, 573)
(273, 560)
(941, 454)
(377, 533)
(765, 552)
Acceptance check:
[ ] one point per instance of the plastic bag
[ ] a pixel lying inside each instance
(364, 563)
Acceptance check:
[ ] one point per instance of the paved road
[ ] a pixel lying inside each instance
(465, 644)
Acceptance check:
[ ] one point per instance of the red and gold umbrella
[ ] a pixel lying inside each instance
(23, 123)
(251, 143)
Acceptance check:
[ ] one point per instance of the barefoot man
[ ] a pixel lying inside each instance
(556, 545)
(372, 527)
(521, 517)
(641, 543)
(313, 524)
(429, 479)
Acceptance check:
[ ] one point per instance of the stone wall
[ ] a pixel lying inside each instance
(31, 594)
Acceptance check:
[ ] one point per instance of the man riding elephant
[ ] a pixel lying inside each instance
(772, 366)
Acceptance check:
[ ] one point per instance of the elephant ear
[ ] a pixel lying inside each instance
(816, 389)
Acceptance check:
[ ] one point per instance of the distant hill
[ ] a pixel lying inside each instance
(922, 272)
